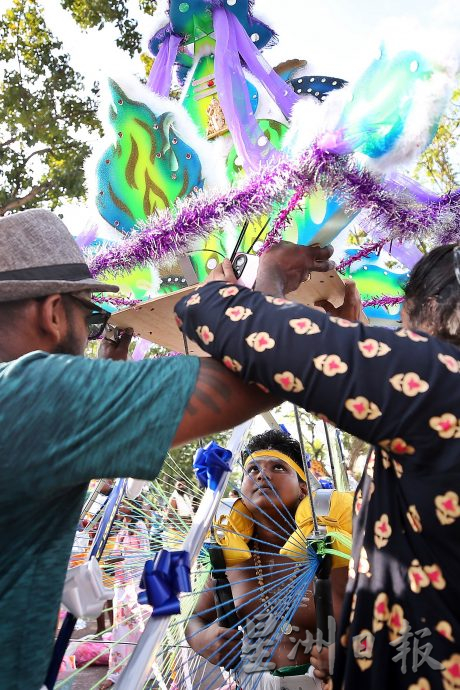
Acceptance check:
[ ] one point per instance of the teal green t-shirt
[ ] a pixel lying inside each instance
(63, 421)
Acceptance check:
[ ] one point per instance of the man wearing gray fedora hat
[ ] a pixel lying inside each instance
(66, 420)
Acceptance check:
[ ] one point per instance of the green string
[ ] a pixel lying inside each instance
(322, 547)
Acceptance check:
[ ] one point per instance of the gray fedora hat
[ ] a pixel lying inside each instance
(39, 256)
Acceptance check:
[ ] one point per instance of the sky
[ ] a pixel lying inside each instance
(337, 37)
(333, 35)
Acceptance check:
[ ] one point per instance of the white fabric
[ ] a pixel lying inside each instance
(183, 503)
(81, 542)
(265, 681)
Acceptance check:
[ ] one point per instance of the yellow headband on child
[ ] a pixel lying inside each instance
(281, 456)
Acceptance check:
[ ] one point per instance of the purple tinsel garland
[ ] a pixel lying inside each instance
(391, 215)
(361, 254)
(384, 301)
(276, 233)
(118, 301)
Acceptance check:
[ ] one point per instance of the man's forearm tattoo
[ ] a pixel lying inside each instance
(211, 388)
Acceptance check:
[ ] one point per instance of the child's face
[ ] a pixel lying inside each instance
(269, 482)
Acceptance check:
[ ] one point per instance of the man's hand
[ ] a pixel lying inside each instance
(320, 662)
(116, 349)
(223, 271)
(351, 308)
(221, 646)
(286, 265)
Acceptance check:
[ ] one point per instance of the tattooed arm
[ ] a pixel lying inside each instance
(220, 401)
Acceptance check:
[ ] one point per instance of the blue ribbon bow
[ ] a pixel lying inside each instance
(210, 463)
(163, 579)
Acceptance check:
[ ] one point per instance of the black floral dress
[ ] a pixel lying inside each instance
(399, 390)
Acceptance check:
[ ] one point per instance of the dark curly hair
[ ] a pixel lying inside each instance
(433, 294)
(275, 440)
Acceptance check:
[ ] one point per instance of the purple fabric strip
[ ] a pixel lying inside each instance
(281, 92)
(407, 254)
(141, 349)
(84, 238)
(402, 183)
(250, 142)
(160, 76)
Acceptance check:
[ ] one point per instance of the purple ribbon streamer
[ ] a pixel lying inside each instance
(406, 254)
(404, 184)
(283, 94)
(160, 76)
(84, 238)
(141, 349)
(250, 142)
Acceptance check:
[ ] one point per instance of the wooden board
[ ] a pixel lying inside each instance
(154, 320)
(320, 286)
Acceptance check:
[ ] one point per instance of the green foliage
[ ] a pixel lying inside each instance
(437, 165)
(354, 449)
(97, 13)
(180, 461)
(155, 350)
(45, 114)
(316, 449)
(147, 62)
(357, 237)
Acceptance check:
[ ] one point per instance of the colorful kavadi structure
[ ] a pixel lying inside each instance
(251, 153)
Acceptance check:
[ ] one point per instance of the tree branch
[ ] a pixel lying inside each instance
(36, 153)
(4, 144)
(21, 201)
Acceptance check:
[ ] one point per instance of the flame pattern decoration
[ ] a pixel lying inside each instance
(147, 169)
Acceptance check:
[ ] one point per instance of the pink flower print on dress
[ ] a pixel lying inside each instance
(410, 384)
(289, 382)
(193, 299)
(232, 364)
(304, 326)
(382, 531)
(330, 365)
(373, 348)
(451, 363)
(446, 425)
(228, 291)
(238, 313)
(447, 507)
(361, 408)
(260, 341)
(415, 337)
(205, 334)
